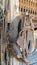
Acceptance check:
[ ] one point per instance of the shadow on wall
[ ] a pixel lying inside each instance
(19, 26)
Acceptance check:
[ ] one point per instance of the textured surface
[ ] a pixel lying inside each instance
(33, 58)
